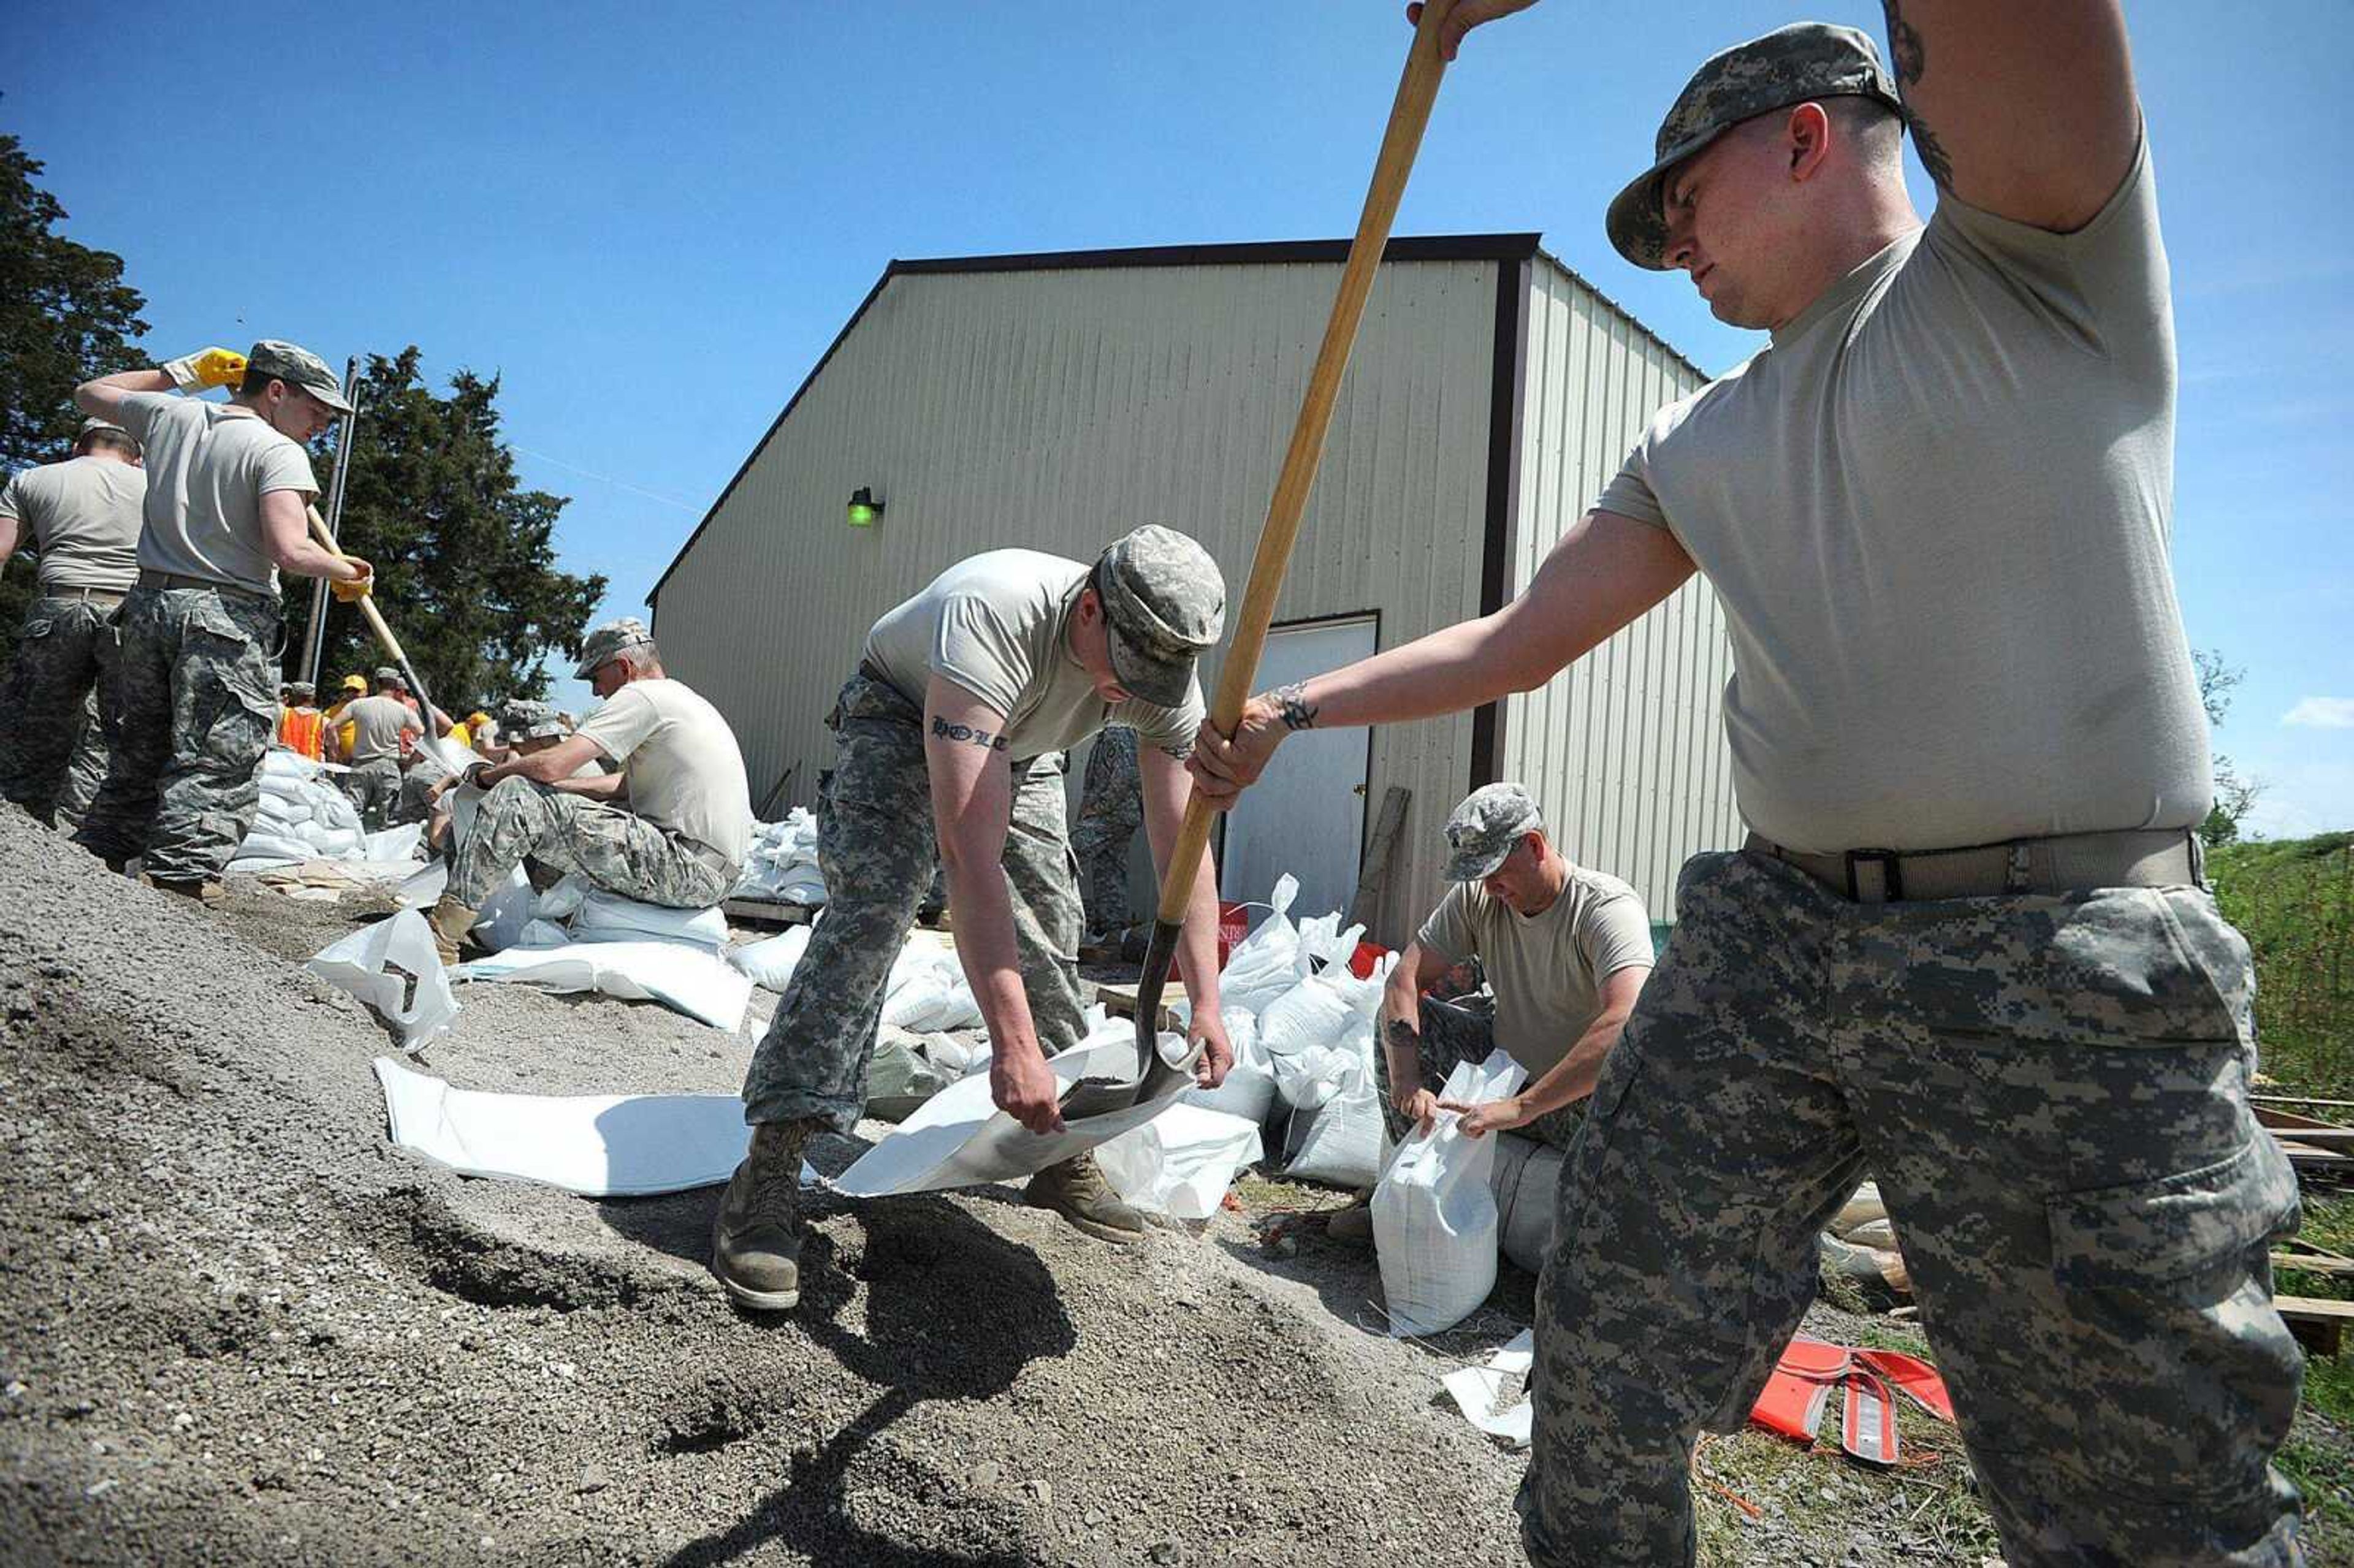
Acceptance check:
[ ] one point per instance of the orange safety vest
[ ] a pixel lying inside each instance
(300, 730)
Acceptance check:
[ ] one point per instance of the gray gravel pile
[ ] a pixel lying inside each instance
(235, 1326)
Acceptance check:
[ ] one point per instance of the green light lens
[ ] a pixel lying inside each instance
(861, 515)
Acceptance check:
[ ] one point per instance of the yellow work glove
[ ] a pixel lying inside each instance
(206, 367)
(357, 588)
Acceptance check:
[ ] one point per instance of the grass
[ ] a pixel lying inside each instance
(2294, 901)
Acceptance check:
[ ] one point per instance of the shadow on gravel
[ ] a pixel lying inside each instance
(924, 1302)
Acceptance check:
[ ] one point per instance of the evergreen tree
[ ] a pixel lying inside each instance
(465, 564)
(66, 315)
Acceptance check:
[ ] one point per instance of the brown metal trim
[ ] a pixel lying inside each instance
(1506, 388)
(1402, 247)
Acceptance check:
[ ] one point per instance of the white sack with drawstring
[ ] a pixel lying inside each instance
(1264, 964)
(1435, 1222)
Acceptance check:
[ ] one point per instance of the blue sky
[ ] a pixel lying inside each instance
(651, 220)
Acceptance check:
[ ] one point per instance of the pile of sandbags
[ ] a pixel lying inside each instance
(781, 864)
(577, 910)
(303, 816)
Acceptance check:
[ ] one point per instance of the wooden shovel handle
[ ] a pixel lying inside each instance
(1417, 90)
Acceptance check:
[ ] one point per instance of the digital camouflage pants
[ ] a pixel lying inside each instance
(374, 787)
(620, 852)
(1111, 808)
(2052, 1095)
(1464, 1031)
(55, 703)
(198, 687)
(875, 850)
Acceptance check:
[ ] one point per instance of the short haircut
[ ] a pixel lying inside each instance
(112, 440)
(640, 654)
(1870, 123)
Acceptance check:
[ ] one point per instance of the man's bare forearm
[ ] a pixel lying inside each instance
(1572, 1078)
(1197, 942)
(989, 955)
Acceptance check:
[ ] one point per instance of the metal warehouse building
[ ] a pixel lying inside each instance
(1055, 401)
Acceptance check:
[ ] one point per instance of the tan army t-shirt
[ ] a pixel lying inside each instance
(1936, 512)
(680, 764)
(208, 466)
(83, 517)
(998, 626)
(378, 722)
(1546, 970)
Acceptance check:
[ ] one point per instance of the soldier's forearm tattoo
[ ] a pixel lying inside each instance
(1292, 707)
(1911, 59)
(1179, 752)
(969, 736)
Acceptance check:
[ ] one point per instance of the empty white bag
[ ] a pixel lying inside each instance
(1434, 1212)
(1181, 1161)
(377, 964)
(687, 980)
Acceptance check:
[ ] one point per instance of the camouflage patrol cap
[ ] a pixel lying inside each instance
(386, 675)
(1164, 603)
(297, 367)
(93, 425)
(526, 718)
(1482, 830)
(606, 641)
(1790, 65)
(301, 689)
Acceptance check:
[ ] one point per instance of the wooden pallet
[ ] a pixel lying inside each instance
(2314, 1147)
(1119, 999)
(2317, 1324)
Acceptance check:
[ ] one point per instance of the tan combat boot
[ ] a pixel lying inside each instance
(201, 890)
(756, 1238)
(1078, 1191)
(450, 921)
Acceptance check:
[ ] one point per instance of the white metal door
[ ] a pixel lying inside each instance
(1307, 813)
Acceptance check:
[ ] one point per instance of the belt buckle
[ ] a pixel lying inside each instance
(1891, 875)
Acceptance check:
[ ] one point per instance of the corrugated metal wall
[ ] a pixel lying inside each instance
(1056, 409)
(1626, 750)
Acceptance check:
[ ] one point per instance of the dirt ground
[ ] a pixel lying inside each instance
(236, 1326)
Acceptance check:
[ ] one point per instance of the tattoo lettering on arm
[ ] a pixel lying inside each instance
(1402, 1036)
(1912, 60)
(1179, 752)
(969, 736)
(1293, 708)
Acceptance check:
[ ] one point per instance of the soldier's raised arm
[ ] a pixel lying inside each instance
(2021, 107)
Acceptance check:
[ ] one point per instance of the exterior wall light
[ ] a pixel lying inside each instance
(865, 509)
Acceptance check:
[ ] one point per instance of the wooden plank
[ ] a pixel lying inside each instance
(2317, 1324)
(1119, 999)
(2331, 1267)
(1373, 878)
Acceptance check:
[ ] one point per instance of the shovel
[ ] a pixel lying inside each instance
(1417, 90)
(375, 623)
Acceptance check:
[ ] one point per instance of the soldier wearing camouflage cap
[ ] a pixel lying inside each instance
(1969, 949)
(951, 734)
(59, 699)
(670, 827)
(228, 486)
(1566, 951)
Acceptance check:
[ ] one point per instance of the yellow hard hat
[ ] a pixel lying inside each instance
(355, 683)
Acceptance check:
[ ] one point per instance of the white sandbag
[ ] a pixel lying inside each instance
(1264, 964)
(927, 991)
(1434, 1214)
(1527, 1184)
(334, 843)
(1340, 1141)
(770, 962)
(261, 845)
(370, 964)
(393, 845)
(1316, 1033)
(293, 812)
(282, 766)
(960, 1138)
(1249, 1089)
(608, 918)
(1323, 943)
(1860, 1210)
(1181, 1161)
(598, 1146)
(540, 934)
(561, 902)
(688, 979)
(781, 863)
